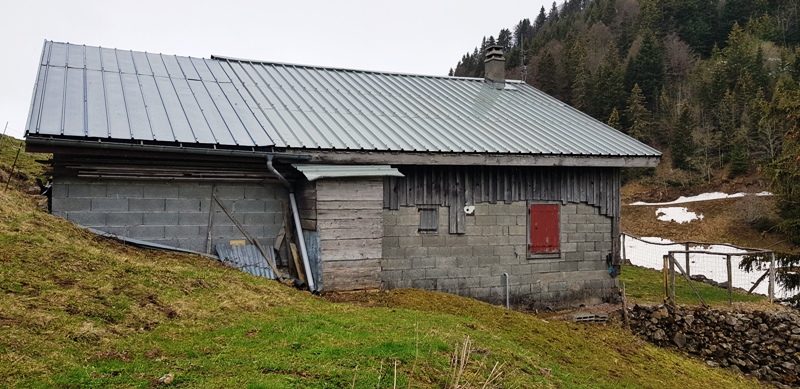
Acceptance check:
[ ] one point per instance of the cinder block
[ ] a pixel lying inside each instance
(410, 241)
(397, 231)
(391, 241)
(87, 190)
(493, 230)
(459, 272)
(396, 263)
(107, 204)
(275, 206)
(416, 252)
(87, 219)
(423, 263)
(576, 237)
(603, 246)
(574, 256)
(567, 266)
(482, 251)
(594, 237)
(424, 283)
(518, 240)
(594, 256)
(436, 272)
(160, 218)
(71, 205)
(446, 262)
(481, 209)
(577, 219)
(408, 220)
(179, 232)
(507, 220)
(488, 220)
(194, 244)
(567, 228)
(478, 240)
(183, 205)
(155, 191)
(587, 265)
(449, 251)
(455, 240)
(147, 205)
(393, 252)
(146, 232)
(241, 206)
(193, 219)
(230, 192)
(431, 240)
(557, 286)
(447, 285)
(540, 267)
(569, 209)
(413, 274)
(490, 281)
(568, 247)
(389, 218)
(585, 209)
(517, 230)
(261, 219)
(58, 190)
(196, 191)
(603, 228)
(585, 246)
(127, 190)
(469, 261)
(120, 219)
(258, 193)
(585, 227)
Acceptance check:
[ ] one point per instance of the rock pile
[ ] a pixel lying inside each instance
(763, 344)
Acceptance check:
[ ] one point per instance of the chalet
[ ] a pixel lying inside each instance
(479, 187)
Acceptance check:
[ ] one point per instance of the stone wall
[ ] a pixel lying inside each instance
(495, 242)
(763, 344)
(173, 213)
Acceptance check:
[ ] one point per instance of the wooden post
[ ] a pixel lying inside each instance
(672, 279)
(730, 279)
(687, 260)
(624, 254)
(772, 277)
(625, 308)
(250, 238)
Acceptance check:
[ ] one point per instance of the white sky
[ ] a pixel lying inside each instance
(412, 36)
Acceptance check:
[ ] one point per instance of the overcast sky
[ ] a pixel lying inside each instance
(412, 36)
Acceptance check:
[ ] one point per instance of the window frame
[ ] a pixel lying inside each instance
(434, 228)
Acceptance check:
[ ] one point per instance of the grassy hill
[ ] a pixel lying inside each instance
(81, 311)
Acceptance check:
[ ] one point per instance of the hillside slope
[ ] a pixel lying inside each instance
(81, 311)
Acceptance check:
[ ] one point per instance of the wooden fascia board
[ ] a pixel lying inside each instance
(395, 158)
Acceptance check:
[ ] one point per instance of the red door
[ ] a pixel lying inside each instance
(544, 228)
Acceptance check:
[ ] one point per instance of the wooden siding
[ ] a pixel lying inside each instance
(457, 186)
(350, 220)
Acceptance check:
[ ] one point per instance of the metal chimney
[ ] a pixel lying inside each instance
(495, 67)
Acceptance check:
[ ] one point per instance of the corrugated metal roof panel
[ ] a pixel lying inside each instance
(315, 172)
(143, 96)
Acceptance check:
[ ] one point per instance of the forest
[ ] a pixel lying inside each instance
(713, 84)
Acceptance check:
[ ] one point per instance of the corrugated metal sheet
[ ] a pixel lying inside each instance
(246, 258)
(315, 172)
(94, 92)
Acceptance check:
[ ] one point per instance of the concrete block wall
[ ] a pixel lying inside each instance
(495, 242)
(173, 213)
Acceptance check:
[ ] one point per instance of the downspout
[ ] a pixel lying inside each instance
(301, 241)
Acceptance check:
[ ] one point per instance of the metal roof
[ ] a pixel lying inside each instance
(315, 172)
(114, 95)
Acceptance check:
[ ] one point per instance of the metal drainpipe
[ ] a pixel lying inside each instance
(505, 275)
(301, 241)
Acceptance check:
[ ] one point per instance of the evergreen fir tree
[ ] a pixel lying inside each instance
(613, 120)
(638, 115)
(682, 145)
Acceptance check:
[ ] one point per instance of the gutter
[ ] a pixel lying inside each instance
(52, 143)
(301, 241)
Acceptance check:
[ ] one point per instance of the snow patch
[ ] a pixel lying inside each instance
(703, 197)
(677, 214)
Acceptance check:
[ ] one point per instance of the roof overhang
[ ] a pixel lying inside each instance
(457, 159)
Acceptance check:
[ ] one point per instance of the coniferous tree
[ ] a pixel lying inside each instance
(638, 115)
(504, 39)
(682, 145)
(613, 120)
(647, 69)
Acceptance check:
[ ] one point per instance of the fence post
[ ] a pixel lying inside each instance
(688, 272)
(672, 278)
(730, 279)
(772, 277)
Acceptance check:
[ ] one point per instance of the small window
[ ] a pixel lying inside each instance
(428, 219)
(543, 226)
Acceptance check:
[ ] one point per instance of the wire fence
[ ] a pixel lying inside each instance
(718, 263)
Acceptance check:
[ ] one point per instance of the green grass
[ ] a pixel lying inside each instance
(81, 311)
(647, 285)
(26, 169)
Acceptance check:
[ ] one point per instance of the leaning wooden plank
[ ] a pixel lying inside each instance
(280, 237)
(250, 238)
(301, 274)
